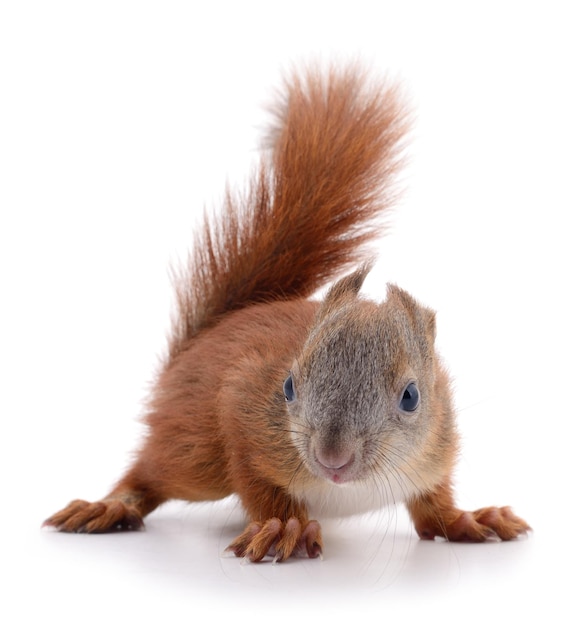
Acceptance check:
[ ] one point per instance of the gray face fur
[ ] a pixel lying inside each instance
(349, 380)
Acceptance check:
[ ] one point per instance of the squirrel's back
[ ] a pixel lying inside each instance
(313, 203)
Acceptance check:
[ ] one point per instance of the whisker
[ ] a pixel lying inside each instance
(388, 452)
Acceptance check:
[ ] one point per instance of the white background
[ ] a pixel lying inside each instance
(119, 121)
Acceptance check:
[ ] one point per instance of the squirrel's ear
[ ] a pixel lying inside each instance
(345, 289)
(425, 316)
(430, 321)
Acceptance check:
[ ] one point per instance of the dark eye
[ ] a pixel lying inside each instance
(410, 398)
(289, 389)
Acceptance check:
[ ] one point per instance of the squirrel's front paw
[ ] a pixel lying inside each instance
(488, 523)
(279, 539)
(105, 516)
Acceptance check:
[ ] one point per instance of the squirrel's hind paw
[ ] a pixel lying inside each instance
(278, 539)
(105, 516)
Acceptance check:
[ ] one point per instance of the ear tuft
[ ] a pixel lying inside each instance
(430, 320)
(422, 315)
(346, 288)
(349, 285)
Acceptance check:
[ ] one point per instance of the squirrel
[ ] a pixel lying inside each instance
(301, 407)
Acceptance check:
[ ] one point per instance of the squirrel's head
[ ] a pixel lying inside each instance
(360, 394)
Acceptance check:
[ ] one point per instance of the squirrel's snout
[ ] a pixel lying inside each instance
(336, 465)
(334, 460)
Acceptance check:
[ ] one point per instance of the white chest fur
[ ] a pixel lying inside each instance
(326, 499)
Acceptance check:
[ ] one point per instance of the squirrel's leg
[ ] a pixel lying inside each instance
(435, 514)
(281, 527)
(123, 509)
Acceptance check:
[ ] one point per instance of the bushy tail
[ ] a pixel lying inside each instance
(312, 205)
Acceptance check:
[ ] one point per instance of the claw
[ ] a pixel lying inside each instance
(281, 539)
(111, 515)
(478, 526)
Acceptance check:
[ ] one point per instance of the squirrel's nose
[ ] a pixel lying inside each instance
(334, 460)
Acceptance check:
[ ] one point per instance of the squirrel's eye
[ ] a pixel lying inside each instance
(289, 389)
(410, 398)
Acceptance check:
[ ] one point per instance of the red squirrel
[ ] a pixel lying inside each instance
(301, 407)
